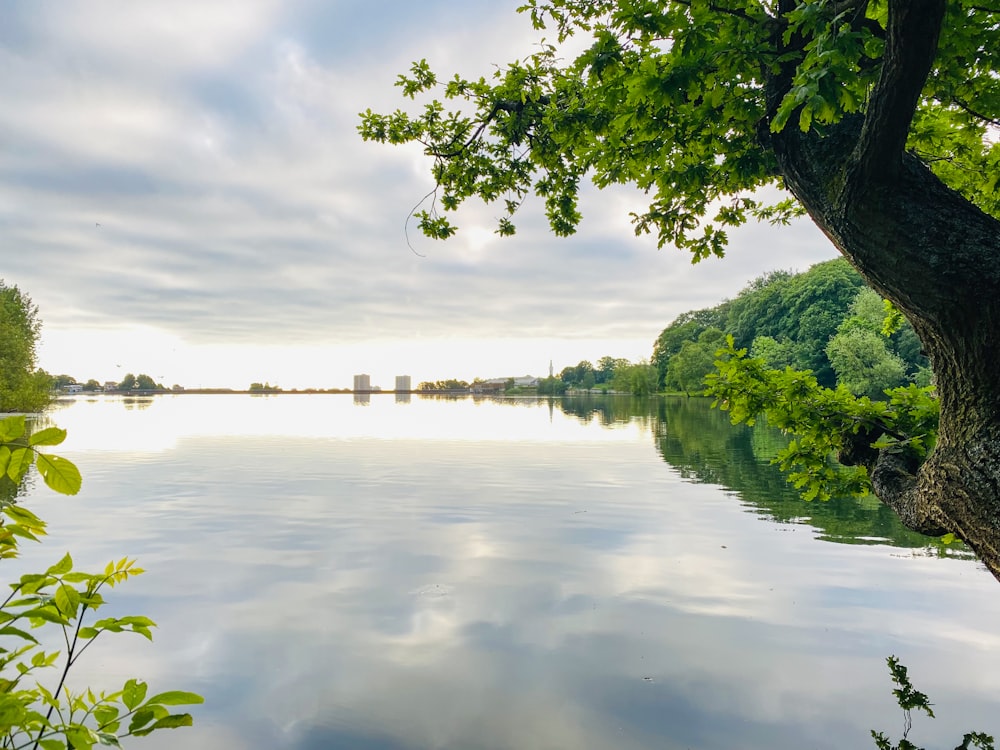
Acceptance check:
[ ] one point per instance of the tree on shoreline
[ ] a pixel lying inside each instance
(878, 116)
(23, 387)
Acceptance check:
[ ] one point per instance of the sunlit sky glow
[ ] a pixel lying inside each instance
(183, 193)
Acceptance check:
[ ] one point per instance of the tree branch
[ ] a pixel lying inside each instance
(501, 105)
(895, 485)
(911, 44)
(735, 12)
(978, 115)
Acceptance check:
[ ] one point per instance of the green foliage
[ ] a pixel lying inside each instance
(824, 320)
(777, 354)
(639, 379)
(910, 699)
(607, 367)
(863, 363)
(22, 386)
(669, 97)
(61, 381)
(551, 387)
(825, 423)
(860, 350)
(685, 327)
(128, 382)
(263, 388)
(144, 382)
(47, 713)
(444, 385)
(696, 359)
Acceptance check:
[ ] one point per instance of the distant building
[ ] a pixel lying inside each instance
(403, 383)
(110, 385)
(362, 383)
(493, 385)
(74, 388)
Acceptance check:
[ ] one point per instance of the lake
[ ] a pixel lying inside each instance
(400, 573)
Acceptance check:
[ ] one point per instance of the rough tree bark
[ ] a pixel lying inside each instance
(937, 257)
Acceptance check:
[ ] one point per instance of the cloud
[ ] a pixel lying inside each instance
(196, 169)
(394, 575)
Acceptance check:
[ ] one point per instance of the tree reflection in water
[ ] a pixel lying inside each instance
(701, 444)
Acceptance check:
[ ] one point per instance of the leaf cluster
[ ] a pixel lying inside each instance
(836, 434)
(910, 699)
(677, 98)
(34, 713)
(19, 451)
(22, 386)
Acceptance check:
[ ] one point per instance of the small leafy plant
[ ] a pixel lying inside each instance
(910, 699)
(62, 601)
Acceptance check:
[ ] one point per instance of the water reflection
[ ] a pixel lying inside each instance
(703, 446)
(470, 574)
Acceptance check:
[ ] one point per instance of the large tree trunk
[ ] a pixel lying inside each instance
(937, 257)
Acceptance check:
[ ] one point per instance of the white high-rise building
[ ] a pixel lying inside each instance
(403, 383)
(362, 384)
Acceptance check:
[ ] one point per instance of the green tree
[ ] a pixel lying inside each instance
(61, 381)
(92, 385)
(144, 382)
(863, 362)
(551, 387)
(859, 352)
(875, 116)
(686, 327)
(694, 361)
(777, 354)
(128, 383)
(22, 386)
(802, 310)
(606, 368)
(639, 379)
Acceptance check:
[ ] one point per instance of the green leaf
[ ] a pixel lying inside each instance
(105, 714)
(20, 460)
(63, 566)
(60, 474)
(173, 721)
(132, 693)
(175, 698)
(52, 744)
(144, 716)
(11, 428)
(81, 738)
(48, 613)
(10, 630)
(167, 722)
(67, 600)
(48, 436)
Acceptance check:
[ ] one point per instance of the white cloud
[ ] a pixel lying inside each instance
(194, 169)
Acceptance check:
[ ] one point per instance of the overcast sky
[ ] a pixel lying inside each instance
(183, 193)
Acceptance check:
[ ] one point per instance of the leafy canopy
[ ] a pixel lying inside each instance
(671, 97)
(824, 422)
(22, 387)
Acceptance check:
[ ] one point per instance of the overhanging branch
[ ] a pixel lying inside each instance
(911, 44)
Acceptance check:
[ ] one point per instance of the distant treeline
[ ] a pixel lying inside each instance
(825, 320)
(140, 382)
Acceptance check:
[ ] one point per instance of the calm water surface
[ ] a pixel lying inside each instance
(506, 575)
